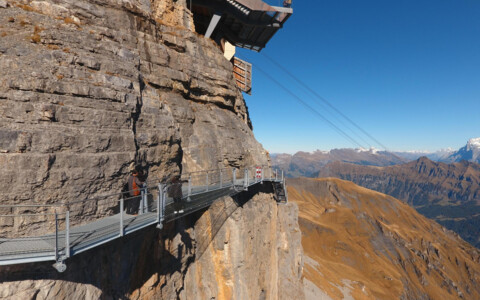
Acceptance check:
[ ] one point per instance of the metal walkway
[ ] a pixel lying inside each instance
(156, 205)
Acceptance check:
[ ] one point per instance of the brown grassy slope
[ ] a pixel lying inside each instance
(447, 193)
(378, 245)
(419, 182)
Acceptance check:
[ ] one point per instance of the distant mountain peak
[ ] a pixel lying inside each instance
(470, 152)
(372, 150)
(473, 143)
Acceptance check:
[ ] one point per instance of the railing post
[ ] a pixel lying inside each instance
(121, 217)
(263, 175)
(158, 202)
(140, 209)
(189, 190)
(160, 206)
(164, 202)
(276, 174)
(56, 237)
(145, 200)
(234, 176)
(282, 176)
(221, 179)
(67, 234)
(59, 264)
(285, 190)
(245, 180)
(207, 181)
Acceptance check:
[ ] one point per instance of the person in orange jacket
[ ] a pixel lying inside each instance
(134, 192)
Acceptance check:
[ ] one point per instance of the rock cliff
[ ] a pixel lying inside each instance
(90, 88)
(241, 248)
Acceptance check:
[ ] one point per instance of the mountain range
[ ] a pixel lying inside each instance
(470, 152)
(361, 244)
(309, 163)
(447, 193)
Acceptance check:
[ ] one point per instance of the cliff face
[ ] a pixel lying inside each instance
(256, 254)
(241, 248)
(362, 244)
(447, 193)
(90, 88)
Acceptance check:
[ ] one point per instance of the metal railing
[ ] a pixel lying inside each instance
(36, 232)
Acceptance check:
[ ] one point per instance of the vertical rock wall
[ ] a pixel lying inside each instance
(256, 254)
(246, 247)
(90, 88)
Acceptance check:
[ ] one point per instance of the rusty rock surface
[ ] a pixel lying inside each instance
(90, 88)
(246, 247)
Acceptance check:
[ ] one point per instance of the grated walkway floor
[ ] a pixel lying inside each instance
(98, 232)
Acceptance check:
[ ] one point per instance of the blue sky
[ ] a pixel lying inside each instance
(407, 72)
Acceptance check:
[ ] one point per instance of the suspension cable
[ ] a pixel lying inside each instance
(309, 107)
(324, 100)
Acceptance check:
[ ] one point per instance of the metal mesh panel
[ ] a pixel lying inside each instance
(54, 232)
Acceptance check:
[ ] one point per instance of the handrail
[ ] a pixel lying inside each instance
(102, 197)
(155, 207)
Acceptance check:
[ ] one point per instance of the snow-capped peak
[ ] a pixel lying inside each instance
(371, 150)
(473, 143)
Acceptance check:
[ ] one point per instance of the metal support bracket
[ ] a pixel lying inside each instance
(212, 25)
(60, 266)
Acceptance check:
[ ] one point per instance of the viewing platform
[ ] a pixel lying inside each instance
(53, 237)
(248, 24)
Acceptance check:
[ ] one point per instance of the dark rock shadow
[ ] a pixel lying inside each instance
(121, 266)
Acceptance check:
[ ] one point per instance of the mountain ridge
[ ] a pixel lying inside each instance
(307, 164)
(469, 152)
(363, 244)
(447, 193)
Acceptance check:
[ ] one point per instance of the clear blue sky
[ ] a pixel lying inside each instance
(407, 72)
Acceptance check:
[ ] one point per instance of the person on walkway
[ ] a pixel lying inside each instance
(175, 192)
(134, 192)
(287, 3)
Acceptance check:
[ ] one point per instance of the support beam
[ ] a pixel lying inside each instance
(213, 23)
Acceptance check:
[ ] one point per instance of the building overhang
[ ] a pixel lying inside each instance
(247, 24)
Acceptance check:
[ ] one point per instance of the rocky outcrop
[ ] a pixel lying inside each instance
(361, 244)
(245, 247)
(447, 193)
(263, 231)
(90, 88)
